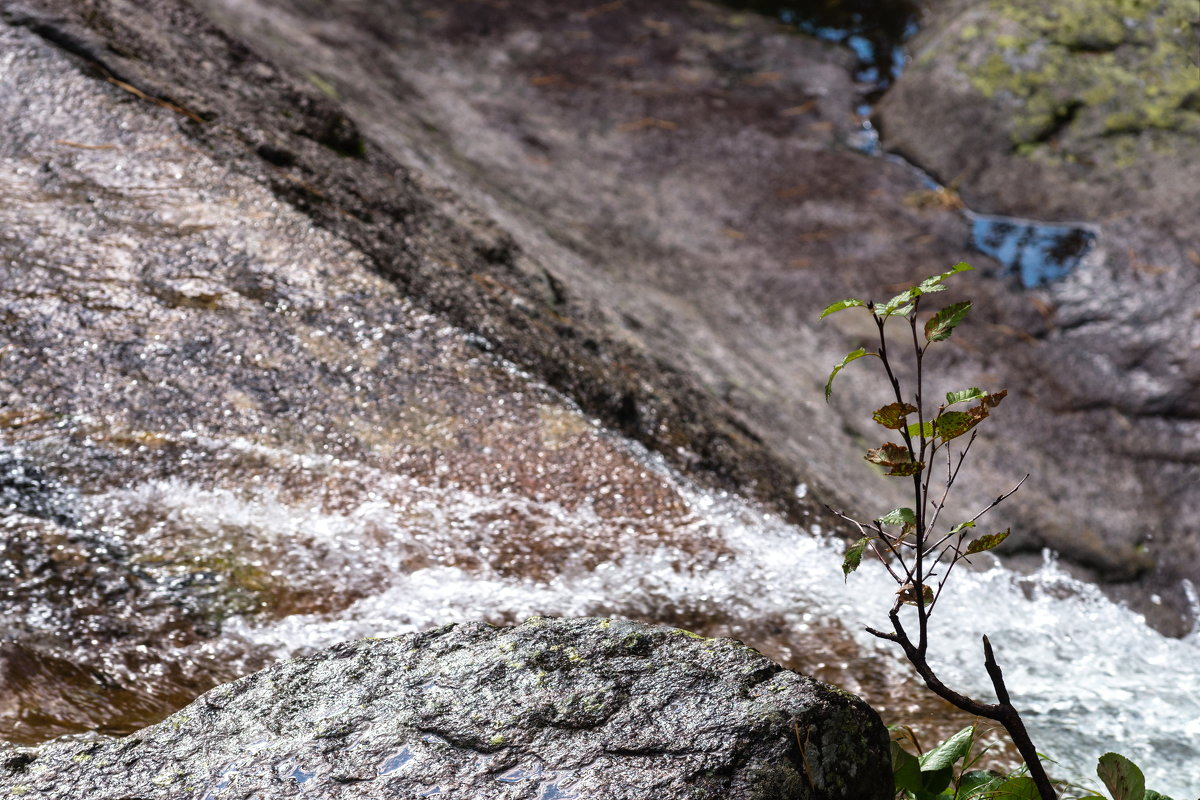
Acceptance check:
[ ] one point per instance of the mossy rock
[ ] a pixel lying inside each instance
(1089, 98)
(1083, 70)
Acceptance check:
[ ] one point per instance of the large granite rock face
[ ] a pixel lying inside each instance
(690, 170)
(1086, 111)
(592, 709)
(211, 407)
(300, 297)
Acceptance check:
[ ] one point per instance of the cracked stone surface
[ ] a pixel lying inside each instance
(552, 708)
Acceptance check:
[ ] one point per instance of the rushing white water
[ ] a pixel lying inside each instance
(1089, 675)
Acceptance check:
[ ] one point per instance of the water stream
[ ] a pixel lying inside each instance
(1089, 674)
(1036, 252)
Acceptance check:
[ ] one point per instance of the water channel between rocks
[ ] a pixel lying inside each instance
(380, 554)
(1036, 252)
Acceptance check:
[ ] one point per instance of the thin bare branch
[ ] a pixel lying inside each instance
(876, 532)
(882, 560)
(1001, 498)
(891, 637)
(951, 477)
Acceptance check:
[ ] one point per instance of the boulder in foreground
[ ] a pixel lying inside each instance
(553, 708)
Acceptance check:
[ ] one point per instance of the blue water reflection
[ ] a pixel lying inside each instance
(874, 31)
(1037, 252)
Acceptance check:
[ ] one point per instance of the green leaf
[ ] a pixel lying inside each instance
(949, 751)
(892, 415)
(1122, 777)
(841, 305)
(977, 783)
(942, 324)
(962, 526)
(1153, 795)
(934, 782)
(906, 770)
(853, 556)
(1020, 788)
(934, 282)
(859, 353)
(901, 516)
(900, 305)
(988, 542)
(922, 429)
(896, 459)
(964, 395)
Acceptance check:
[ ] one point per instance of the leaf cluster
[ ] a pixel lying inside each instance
(950, 771)
(919, 555)
(920, 558)
(922, 437)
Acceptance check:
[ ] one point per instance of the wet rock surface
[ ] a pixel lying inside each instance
(214, 409)
(1086, 112)
(691, 171)
(299, 299)
(586, 708)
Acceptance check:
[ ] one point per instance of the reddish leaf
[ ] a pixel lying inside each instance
(952, 424)
(892, 415)
(896, 459)
(942, 324)
(909, 595)
(992, 400)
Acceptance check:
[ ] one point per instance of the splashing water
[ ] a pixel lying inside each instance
(1088, 674)
(326, 548)
(330, 548)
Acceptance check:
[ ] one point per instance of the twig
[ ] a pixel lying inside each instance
(975, 518)
(875, 549)
(1001, 498)
(951, 477)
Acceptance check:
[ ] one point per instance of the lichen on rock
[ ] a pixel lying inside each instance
(1075, 72)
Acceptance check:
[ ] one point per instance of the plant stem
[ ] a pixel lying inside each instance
(920, 493)
(1013, 723)
(1003, 712)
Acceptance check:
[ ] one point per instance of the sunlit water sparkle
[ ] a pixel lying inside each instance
(1089, 675)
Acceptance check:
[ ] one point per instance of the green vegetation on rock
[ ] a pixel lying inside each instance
(1081, 75)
